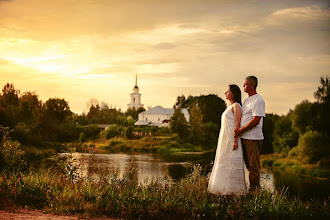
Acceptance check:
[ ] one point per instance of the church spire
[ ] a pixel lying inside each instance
(136, 86)
(135, 79)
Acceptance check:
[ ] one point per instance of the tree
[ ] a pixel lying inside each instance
(323, 91)
(134, 112)
(196, 124)
(29, 106)
(314, 145)
(303, 117)
(57, 109)
(285, 137)
(211, 106)
(9, 101)
(179, 101)
(10, 96)
(179, 124)
(268, 130)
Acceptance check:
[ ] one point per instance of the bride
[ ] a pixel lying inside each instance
(227, 176)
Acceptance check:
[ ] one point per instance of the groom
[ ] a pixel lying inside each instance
(253, 112)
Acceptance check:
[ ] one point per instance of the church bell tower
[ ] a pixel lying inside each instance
(135, 97)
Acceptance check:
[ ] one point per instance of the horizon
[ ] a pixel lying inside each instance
(83, 50)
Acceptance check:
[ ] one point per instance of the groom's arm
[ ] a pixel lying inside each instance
(255, 121)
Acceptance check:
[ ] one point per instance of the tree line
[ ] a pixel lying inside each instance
(302, 132)
(41, 124)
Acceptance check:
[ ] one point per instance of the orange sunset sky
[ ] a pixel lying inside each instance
(82, 49)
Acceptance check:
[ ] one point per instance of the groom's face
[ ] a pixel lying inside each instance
(247, 85)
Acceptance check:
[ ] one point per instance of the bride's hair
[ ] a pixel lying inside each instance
(236, 92)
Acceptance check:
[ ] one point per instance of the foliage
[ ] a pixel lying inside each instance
(129, 132)
(285, 137)
(179, 124)
(295, 164)
(134, 112)
(130, 120)
(268, 130)
(314, 145)
(210, 134)
(322, 93)
(211, 106)
(10, 96)
(91, 132)
(196, 124)
(112, 131)
(303, 117)
(58, 109)
(11, 154)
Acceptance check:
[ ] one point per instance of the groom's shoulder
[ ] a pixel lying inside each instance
(261, 99)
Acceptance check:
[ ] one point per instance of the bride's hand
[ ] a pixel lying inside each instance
(235, 145)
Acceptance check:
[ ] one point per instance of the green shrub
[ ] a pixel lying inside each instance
(314, 145)
(112, 131)
(129, 132)
(92, 132)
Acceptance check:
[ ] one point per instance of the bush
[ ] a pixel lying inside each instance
(11, 154)
(22, 133)
(92, 132)
(314, 145)
(129, 133)
(112, 131)
(164, 130)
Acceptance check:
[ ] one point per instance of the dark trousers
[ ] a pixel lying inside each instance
(251, 154)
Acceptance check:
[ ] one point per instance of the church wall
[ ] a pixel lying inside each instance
(154, 117)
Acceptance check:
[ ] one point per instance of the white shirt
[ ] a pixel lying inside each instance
(253, 106)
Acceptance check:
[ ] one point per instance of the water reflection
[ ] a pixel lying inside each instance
(176, 166)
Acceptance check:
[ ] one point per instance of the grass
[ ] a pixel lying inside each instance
(294, 165)
(123, 197)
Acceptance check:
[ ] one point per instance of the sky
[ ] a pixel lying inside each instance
(84, 49)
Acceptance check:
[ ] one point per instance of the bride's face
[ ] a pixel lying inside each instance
(229, 94)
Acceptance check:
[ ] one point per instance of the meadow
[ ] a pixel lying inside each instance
(65, 192)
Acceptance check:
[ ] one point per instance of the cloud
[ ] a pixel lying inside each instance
(303, 13)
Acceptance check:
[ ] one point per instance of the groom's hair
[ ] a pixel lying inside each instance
(253, 80)
(236, 92)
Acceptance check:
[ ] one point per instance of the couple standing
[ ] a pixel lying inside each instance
(240, 141)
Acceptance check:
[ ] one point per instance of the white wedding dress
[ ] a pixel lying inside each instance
(227, 176)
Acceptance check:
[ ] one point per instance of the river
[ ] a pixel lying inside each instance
(179, 165)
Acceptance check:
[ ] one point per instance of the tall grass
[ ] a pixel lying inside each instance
(123, 197)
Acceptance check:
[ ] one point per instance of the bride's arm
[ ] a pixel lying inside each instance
(237, 119)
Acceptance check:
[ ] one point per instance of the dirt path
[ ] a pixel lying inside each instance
(38, 215)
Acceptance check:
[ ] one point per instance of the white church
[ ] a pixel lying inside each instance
(157, 116)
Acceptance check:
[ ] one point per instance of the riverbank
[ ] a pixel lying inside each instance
(122, 197)
(294, 165)
(159, 144)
